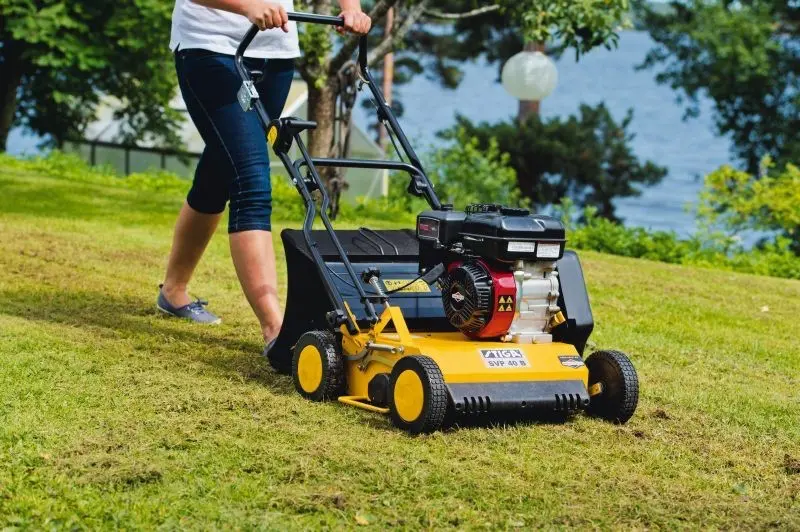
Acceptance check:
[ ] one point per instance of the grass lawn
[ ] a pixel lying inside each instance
(113, 416)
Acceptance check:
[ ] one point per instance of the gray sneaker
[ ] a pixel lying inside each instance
(194, 311)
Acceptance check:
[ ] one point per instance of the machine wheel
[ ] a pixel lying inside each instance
(618, 384)
(318, 366)
(418, 395)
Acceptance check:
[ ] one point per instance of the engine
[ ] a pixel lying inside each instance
(501, 280)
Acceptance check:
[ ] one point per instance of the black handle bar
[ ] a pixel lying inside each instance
(385, 112)
(310, 18)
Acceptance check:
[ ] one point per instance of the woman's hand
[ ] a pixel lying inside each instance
(355, 21)
(266, 15)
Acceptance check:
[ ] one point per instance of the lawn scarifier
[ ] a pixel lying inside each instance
(489, 313)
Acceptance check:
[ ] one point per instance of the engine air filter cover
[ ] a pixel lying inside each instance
(493, 232)
(467, 296)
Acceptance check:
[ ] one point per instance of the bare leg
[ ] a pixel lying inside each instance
(193, 231)
(254, 258)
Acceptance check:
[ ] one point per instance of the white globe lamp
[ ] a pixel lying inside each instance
(530, 76)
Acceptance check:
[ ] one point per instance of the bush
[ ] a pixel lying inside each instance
(733, 201)
(709, 250)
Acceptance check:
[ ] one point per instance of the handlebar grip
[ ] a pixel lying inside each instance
(298, 17)
(295, 17)
(316, 19)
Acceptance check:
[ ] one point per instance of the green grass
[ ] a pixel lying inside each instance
(112, 416)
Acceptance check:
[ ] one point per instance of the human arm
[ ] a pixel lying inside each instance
(265, 15)
(355, 20)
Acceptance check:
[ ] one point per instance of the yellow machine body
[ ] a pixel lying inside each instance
(465, 367)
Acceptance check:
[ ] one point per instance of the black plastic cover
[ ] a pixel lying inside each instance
(574, 303)
(539, 396)
(395, 253)
(435, 231)
(488, 229)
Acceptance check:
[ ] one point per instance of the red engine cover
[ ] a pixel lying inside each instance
(504, 304)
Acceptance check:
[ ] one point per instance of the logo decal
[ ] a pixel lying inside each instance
(571, 361)
(458, 297)
(504, 358)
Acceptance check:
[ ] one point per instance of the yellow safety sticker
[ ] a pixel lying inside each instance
(272, 135)
(506, 304)
(417, 287)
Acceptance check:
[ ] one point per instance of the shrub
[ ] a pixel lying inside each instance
(734, 201)
(462, 174)
(709, 250)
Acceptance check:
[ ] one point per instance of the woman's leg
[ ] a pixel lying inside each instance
(193, 231)
(254, 258)
(251, 208)
(237, 142)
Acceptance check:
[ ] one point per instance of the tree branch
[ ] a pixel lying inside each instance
(388, 44)
(348, 49)
(434, 13)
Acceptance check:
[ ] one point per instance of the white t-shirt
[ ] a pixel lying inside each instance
(197, 26)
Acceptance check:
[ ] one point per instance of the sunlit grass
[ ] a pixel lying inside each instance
(111, 415)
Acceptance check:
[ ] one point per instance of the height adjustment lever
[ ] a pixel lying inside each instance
(372, 276)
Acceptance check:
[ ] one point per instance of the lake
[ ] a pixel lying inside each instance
(688, 149)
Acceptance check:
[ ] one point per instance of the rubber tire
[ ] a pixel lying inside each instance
(435, 393)
(332, 385)
(620, 396)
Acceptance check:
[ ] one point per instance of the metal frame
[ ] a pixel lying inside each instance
(420, 184)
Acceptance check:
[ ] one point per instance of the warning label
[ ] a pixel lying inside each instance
(504, 358)
(418, 287)
(505, 304)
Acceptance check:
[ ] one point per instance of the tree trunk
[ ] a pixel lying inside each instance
(11, 69)
(321, 109)
(388, 76)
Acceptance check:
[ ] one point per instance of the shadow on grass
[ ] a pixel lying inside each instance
(114, 317)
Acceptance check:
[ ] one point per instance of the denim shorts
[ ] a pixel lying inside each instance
(234, 165)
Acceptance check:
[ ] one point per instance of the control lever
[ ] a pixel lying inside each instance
(372, 276)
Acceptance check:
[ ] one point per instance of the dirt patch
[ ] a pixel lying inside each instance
(791, 465)
(660, 413)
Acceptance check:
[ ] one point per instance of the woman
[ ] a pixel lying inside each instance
(234, 166)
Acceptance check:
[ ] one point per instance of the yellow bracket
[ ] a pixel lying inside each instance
(399, 325)
(358, 402)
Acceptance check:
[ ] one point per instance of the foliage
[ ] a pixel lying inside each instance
(737, 201)
(579, 25)
(716, 251)
(586, 158)
(463, 174)
(72, 54)
(424, 43)
(745, 56)
(498, 35)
